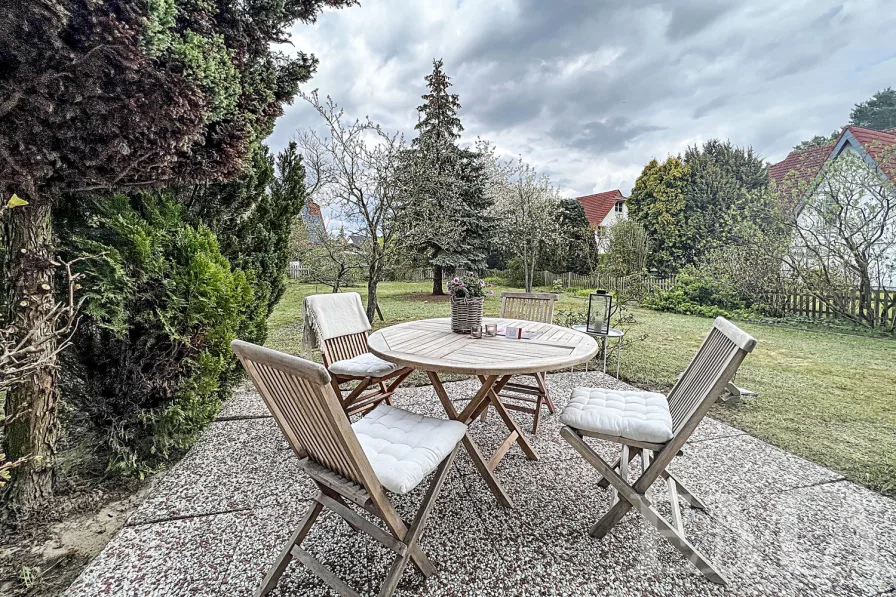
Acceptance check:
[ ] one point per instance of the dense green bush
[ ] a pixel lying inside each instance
(152, 358)
(181, 272)
(698, 292)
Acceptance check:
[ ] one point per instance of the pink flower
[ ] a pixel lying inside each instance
(482, 282)
(491, 285)
(460, 283)
(456, 280)
(492, 293)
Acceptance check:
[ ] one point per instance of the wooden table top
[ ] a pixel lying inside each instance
(430, 345)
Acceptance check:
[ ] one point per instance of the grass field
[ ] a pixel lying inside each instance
(825, 396)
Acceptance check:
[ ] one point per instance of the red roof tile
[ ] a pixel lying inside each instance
(880, 146)
(597, 206)
(314, 209)
(805, 163)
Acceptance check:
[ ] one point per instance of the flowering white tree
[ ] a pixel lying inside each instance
(525, 204)
(355, 167)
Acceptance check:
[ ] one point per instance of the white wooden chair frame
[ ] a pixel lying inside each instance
(308, 412)
(371, 390)
(528, 306)
(693, 394)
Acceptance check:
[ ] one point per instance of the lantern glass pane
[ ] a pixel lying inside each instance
(599, 313)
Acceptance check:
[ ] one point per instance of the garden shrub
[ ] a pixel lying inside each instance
(152, 356)
(698, 292)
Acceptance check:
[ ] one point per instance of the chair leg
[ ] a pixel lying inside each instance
(415, 531)
(536, 419)
(543, 386)
(673, 504)
(276, 571)
(603, 483)
(686, 494)
(384, 389)
(632, 499)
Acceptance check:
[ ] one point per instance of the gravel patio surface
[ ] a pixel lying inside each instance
(776, 524)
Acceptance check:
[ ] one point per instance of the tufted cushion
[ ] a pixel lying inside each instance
(404, 447)
(641, 416)
(363, 365)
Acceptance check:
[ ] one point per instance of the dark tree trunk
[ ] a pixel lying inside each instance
(373, 278)
(29, 299)
(437, 281)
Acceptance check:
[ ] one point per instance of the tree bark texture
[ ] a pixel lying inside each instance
(373, 278)
(29, 299)
(437, 281)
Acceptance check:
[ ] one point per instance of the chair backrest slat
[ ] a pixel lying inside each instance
(299, 395)
(528, 306)
(712, 368)
(345, 347)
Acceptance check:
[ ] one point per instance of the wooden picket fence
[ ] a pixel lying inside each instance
(296, 271)
(803, 303)
(646, 283)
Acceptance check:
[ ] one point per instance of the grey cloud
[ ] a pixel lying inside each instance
(713, 104)
(591, 90)
(614, 134)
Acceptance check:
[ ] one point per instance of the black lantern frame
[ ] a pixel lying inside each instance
(600, 307)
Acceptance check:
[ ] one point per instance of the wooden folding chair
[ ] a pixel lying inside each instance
(528, 306)
(348, 359)
(371, 389)
(649, 425)
(351, 463)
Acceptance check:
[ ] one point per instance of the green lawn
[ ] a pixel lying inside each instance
(825, 396)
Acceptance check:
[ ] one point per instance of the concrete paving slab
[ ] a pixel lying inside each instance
(775, 525)
(236, 465)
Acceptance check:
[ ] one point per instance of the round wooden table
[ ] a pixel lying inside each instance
(431, 346)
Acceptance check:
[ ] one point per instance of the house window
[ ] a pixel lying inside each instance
(619, 207)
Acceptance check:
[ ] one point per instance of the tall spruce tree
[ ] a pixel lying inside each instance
(446, 210)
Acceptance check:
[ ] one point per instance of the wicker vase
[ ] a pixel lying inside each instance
(466, 313)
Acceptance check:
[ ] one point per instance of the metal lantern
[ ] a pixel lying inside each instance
(600, 304)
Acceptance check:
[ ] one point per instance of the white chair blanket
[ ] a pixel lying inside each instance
(636, 415)
(404, 447)
(330, 316)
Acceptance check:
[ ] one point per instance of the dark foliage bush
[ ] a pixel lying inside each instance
(162, 305)
(182, 273)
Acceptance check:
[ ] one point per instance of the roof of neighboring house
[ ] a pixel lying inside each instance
(597, 206)
(314, 209)
(807, 163)
(874, 142)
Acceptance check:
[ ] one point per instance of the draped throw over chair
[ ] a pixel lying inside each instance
(351, 464)
(338, 324)
(649, 425)
(529, 306)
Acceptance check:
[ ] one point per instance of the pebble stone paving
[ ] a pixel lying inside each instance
(776, 525)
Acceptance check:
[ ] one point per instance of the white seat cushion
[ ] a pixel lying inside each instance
(404, 447)
(363, 365)
(641, 416)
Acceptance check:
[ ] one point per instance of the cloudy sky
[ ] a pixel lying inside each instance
(590, 90)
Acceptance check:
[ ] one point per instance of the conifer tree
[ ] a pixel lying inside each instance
(446, 211)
